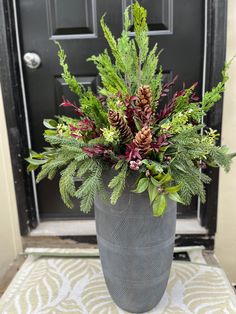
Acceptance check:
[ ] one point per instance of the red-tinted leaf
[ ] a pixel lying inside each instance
(132, 152)
(67, 103)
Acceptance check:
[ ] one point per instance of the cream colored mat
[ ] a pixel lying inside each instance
(61, 281)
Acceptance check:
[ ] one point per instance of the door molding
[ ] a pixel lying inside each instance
(15, 117)
(16, 121)
(215, 59)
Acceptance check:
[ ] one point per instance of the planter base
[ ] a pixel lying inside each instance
(136, 250)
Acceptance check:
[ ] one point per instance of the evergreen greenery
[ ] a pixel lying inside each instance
(123, 128)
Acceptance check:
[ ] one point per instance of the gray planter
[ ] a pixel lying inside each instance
(135, 248)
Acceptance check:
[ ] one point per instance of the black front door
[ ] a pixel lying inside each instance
(178, 27)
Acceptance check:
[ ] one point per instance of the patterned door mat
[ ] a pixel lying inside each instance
(56, 281)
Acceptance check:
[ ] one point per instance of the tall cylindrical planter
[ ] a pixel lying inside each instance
(136, 249)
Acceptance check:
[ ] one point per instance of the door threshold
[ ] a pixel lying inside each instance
(88, 228)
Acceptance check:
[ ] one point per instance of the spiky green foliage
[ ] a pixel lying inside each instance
(220, 157)
(90, 186)
(192, 181)
(93, 108)
(73, 84)
(64, 141)
(213, 96)
(118, 183)
(141, 29)
(168, 147)
(112, 81)
(134, 64)
(89, 103)
(67, 183)
(120, 62)
(189, 147)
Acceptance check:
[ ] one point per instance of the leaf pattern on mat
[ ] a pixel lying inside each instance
(57, 285)
(96, 297)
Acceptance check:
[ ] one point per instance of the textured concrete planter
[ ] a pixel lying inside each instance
(136, 249)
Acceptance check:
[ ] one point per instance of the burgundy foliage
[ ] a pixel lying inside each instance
(166, 88)
(75, 132)
(132, 152)
(86, 125)
(167, 110)
(162, 140)
(67, 103)
(130, 111)
(96, 150)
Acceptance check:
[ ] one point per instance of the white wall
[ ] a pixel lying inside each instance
(226, 229)
(10, 240)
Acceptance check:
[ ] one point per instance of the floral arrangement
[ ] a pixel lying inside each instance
(131, 126)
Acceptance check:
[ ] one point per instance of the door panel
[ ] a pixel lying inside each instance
(160, 15)
(72, 19)
(178, 28)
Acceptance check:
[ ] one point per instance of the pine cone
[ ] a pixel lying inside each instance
(118, 122)
(144, 95)
(144, 103)
(143, 140)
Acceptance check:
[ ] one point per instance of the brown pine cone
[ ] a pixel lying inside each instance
(144, 103)
(143, 140)
(144, 95)
(117, 121)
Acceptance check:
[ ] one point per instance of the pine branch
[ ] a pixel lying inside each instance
(52, 166)
(220, 157)
(67, 184)
(118, 184)
(62, 140)
(85, 167)
(89, 187)
(184, 172)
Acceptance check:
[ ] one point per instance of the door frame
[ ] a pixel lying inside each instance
(13, 100)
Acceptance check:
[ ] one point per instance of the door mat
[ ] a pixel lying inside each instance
(57, 281)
